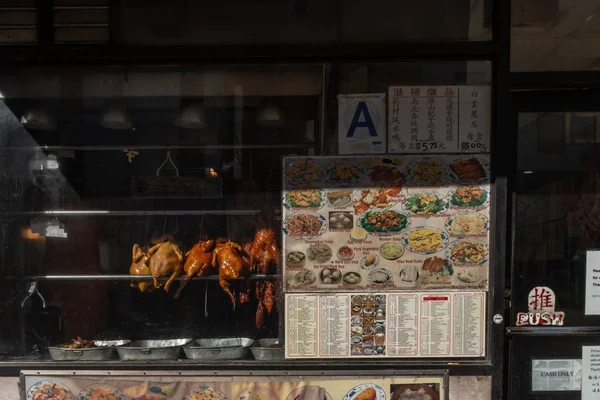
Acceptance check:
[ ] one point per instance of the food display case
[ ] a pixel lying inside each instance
(223, 217)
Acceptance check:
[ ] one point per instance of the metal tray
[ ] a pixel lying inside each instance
(106, 350)
(218, 349)
(152, 349)
(262, 352)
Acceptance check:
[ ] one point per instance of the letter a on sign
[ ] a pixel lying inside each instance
(361, 123)
(365, 122)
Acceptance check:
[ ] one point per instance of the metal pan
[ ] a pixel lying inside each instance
(218, 349)
(152, 349)
(106, 350)
(263, 350)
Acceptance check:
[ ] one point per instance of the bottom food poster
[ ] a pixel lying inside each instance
(59, 387)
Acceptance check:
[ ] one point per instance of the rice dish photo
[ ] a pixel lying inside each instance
(467, 224)
(303, 171)
(427, 172)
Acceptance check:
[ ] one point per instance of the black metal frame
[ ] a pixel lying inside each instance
(560, 91)
(497, 51)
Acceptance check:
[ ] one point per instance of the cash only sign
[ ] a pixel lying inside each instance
(542, 302)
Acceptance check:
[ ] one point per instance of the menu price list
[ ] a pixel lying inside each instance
(413, 324)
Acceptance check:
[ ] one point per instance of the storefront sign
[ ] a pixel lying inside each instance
(439, 119)
(375, 223)
(440, 324)
(554, 375)
(592, 283)
(124, 385)
(361, 123)
(541, 301)
(590, 384)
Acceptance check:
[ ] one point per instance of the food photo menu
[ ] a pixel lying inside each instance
(378, 223)
(411, 324)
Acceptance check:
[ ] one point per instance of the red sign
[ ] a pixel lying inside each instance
(541, 302)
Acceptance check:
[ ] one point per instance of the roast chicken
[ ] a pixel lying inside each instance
(140, 266)
(198, 262)
(231, 265)
(165, 260)
(264, 253)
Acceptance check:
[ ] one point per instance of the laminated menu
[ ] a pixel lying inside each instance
(411, 324)
(378, 223)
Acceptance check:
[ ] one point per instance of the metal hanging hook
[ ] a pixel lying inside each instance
(33, 289)
(206, 300)
(169, 160)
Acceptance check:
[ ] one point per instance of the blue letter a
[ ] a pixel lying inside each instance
(361, 108)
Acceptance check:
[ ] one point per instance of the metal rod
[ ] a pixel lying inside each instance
(122, 277)
(132, 213)
(169, 147)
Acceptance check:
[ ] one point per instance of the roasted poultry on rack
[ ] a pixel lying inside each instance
(165, 260)
(140, 266)
(198, 262)
(264, 253)
(231, 264)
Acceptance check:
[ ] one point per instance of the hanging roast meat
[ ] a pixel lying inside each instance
(140, 266)
(198, 262)
(165, 260)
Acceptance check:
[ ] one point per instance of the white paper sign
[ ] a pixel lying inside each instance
(592, 283)
(439, 119)
(590, 381)
(361, 123)
(554, 375)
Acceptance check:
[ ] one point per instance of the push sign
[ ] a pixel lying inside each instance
(361, 123)
(541, 303)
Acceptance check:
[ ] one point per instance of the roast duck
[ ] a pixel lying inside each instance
(165, 259)
(232, 266)
(264, 254)
(198, 262)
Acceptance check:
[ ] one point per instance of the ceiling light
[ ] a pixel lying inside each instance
(192, 117)
(38, 120)
(118, 119)
(528, 172)
(270, 117)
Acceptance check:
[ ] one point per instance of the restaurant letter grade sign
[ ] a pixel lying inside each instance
(541, 303)
(439, 119)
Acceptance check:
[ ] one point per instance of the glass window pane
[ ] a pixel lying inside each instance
(556, 208)
(94, 160)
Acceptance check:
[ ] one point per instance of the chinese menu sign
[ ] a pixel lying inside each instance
(439, 119)
(56, 386)
(410, 324)
(386, 223)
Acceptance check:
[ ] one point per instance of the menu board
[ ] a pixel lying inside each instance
(439, 119)
(295, 385)
(411, 324)
(377, 223)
